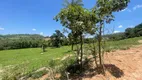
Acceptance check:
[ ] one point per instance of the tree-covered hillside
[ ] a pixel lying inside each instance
(18, 41)
(129, 33)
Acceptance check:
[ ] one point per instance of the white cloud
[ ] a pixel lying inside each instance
(137, 6)
(124, 9)
(120, 26)
(116, 31)
(34, 29)
(41, 33)
(1, 28)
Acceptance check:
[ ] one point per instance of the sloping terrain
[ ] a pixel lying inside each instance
(122, 65)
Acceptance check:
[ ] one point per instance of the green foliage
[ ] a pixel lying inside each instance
(88, 40)
(122, 44)
(57, 39)
(77, 19)
(115, 36)
(129, 33)
(72, 2)
(38, 74)
(19, 41)
(134, 32)
(138, 30)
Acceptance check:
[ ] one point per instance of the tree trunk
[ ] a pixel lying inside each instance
(81, 48)
(100, 48)
(43, 48)
(99, 44)
(72, 46)
(95, 54)
(96, 62)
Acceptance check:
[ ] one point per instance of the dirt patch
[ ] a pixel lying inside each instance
(44, 77)
(1, 70)
(128, 62)
(140, 41)
(1, 73)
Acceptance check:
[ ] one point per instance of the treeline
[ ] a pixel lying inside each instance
(129, 33)
(58, 39)
(18, 41)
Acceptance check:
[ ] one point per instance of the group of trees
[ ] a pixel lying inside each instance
(134, 32)
(80, 20)
(129, 33)
(18, 41)
(57, 39)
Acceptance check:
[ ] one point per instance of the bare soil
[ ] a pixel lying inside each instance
(121, 65)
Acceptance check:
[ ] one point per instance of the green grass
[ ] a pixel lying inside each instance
(32, 55)
(29, 60)
(122, 44)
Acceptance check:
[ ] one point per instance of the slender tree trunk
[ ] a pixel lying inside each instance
(96, 62)
(81, 48)
(100, 47)
(72, 46)
(99, 44)
(42, 48)
(95, 54)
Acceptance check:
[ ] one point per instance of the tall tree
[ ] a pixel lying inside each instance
(78, 20)
(56, 38)
(71, 40)
(129, 32)
(138, 30)
(104, 10)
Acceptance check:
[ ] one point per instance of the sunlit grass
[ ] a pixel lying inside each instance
(31, 59)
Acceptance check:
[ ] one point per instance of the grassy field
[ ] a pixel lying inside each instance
(29, 60)
(122, 44)
(32, 59)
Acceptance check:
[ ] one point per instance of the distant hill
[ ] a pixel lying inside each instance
(17, 36)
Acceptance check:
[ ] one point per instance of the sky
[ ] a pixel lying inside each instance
(36, 16)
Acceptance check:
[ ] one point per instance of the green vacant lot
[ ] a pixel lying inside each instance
(31, 59)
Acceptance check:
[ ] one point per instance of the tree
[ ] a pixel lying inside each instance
(43, 44)
(129, 32)
(72, 2)
(138, 30)
(79, 21)
(71, 40)
(104, 10)
(57, 39)
(18, 41)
